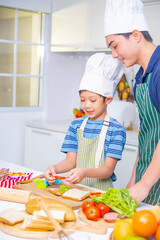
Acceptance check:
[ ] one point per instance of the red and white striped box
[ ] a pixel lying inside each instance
(9, 183)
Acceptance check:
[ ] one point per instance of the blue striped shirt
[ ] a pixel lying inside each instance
(114, 140)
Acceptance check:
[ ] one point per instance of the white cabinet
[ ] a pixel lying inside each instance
(78, 25)
(124, 167)
(42, 148)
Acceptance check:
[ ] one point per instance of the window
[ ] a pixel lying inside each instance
(21, 58)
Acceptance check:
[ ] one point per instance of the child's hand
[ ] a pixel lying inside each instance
(50, 174)
(76, 175)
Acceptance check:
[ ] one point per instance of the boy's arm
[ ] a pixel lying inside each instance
(67, 164)
(141, 189)
(76, 175)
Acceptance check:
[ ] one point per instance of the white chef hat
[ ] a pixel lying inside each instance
(124, 16)
(102, 74)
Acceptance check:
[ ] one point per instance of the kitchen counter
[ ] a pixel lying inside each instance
(63, 125)
(5, 204)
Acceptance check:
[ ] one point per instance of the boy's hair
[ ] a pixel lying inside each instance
(146, 35)
(98, 94)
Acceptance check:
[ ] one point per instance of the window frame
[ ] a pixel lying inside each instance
(42, 76)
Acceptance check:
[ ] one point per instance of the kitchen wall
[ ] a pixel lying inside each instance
(65, 71)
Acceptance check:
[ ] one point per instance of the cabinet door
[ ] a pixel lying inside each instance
(95, 39)
(68, 25)
(42, 148)
(124, 167)
(78, 25)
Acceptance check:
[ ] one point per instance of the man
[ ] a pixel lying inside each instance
(127, 35)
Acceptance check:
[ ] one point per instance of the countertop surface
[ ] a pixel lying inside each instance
(5, 204)
(63, 125)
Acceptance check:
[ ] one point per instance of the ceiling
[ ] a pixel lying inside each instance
(150, 1)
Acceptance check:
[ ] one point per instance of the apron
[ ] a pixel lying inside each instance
(148, 138)
(91, 155)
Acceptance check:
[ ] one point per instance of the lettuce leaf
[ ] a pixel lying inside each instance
(118, 200)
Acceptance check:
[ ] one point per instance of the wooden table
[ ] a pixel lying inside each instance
(5, 204)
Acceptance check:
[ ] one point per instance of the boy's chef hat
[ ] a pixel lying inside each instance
(102, 74)
(124, 16)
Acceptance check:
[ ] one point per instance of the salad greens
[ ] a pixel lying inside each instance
(64, 188)
(118, 200)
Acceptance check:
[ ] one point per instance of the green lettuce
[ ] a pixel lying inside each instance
(64, 188)
(119, 201)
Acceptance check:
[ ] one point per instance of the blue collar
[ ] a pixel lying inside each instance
(155, 57)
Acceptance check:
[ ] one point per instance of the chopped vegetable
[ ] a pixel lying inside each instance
(64, 188)
(118, 200)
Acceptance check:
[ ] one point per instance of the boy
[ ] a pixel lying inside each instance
(94, 143)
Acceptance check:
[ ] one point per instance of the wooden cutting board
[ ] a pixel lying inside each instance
(45, 193)
(16, 231)
(68, 228)
(100, 222)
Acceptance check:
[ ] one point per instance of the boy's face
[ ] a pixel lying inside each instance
(93, 105)
(124, 49)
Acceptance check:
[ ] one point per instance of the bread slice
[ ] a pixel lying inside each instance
(31, 223)
(58, 215)
(76, 194)
(12, 216)
(33, 205)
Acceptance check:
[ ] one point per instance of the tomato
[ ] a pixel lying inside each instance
(103, 208)
(87, 204)
(157, 235)
(92, 213)
(95, 193)
(78, 114)
(144, 223)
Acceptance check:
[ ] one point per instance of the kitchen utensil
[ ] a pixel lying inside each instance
(58, 228)
(45, 193)
(32, 179)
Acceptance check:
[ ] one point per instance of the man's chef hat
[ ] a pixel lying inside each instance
(124, 16)
(102, 74)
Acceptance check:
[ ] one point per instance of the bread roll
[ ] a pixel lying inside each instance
(32, 205)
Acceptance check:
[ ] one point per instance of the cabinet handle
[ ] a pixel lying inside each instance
(131, 148)
(40, 132)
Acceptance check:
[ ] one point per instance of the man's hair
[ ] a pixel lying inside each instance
(146, 35)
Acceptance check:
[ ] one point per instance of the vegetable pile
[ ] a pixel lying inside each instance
(118, 200)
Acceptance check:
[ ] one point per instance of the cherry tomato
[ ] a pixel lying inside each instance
(103, 208)
(87, 204)
(92, 213)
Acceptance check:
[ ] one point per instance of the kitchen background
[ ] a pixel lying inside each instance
(66, 52)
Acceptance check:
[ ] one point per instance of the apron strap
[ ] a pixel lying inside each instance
(84, 124)
(102, 135)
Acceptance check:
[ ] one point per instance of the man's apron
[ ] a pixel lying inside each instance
(148, 138)
(91, 155)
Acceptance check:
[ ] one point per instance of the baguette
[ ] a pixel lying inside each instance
(33, 205)
(76, 194)
(12, 216)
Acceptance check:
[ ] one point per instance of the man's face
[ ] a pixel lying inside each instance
(124, 49)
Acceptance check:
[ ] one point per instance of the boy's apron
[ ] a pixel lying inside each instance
(91, 155)
(148, 138)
